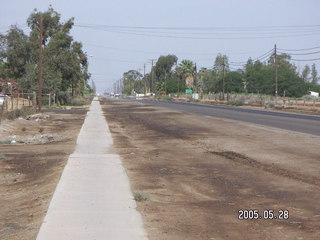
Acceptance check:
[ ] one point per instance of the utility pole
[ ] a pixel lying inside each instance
(152, 74)
(40, 65)
(145, 81)
(276, 66)
(178, 80)
(195, 77)
(223, 80)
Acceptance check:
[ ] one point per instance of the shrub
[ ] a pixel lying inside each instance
(23, 112)
(270, 105)
(309, 97)
(236, 102)
(167, 98)
(78, 101)
(140, 197)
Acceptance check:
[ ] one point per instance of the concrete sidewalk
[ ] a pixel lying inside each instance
(93, 200)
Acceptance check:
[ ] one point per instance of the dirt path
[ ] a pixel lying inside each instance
(199, 172)
(29, 172)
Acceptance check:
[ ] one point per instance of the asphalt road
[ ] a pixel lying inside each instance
(302, 123)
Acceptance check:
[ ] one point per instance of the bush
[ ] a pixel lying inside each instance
(79, 101)
(270, 105)
(140, 197)
(167, 98)
(236, 102)
(309, 97)
(23, 112)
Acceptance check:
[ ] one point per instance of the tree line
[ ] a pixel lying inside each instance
(167, 76)
(65, 64)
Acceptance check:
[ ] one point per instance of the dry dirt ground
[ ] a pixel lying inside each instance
(31, 168)
(198, 172)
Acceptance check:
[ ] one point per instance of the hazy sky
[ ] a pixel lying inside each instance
(203, 28)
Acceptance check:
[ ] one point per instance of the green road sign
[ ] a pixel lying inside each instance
(188, 91)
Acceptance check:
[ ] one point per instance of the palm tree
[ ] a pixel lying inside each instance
(187, 70)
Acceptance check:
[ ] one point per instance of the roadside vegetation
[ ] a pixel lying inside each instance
(140, 197)
(253, 77)
(23, 112)
(65, 64)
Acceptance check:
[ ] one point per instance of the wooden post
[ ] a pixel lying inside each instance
(18, 98)
(11, 101)
(34, 100)
(40, 65)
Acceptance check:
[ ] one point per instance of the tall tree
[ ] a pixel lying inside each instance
(305, 73)
(130, 80)
(314, 74)
(234, 82)
(16, 52)
(163, 67)
(187, 72)
(208, 80)
(260, 77)
(65, 65)
(221, 63)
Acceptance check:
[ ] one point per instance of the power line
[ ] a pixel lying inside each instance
(207, 53)
(281, 31)
(216, 32)
(297, 50)
(302, 53)
(262, 57)
(305, 60)
(206, 38)
(280, 28)
(115, 60)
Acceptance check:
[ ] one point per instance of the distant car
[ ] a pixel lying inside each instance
(117, 95)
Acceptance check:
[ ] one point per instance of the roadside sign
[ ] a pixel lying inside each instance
(188, 91)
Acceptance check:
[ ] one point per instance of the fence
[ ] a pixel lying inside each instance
(13, 103)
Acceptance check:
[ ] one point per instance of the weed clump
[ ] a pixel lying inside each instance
(79, 101)
(140, 197)
(23, 112)
(236, 102)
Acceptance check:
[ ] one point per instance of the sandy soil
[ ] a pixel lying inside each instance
(198, 172)
(30, 172)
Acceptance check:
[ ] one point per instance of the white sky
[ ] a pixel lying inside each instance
(114, 53)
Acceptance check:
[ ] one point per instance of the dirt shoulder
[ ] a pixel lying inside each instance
(199, 172)
(31, 168)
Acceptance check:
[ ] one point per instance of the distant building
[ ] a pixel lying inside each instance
(314, 94)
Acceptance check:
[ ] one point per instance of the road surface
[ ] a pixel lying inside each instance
(302, 123)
